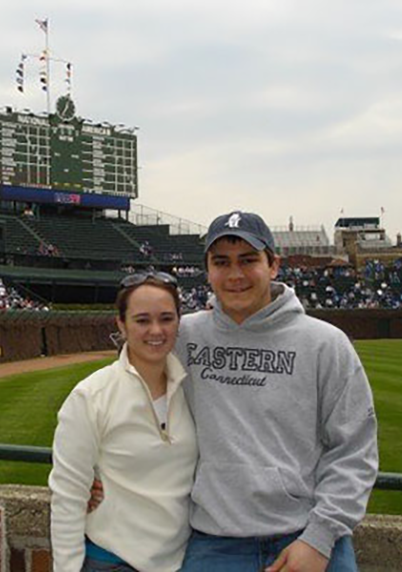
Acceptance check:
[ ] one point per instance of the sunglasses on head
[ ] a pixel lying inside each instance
(142, 277)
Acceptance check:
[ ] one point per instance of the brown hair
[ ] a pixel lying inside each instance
(233, 239)
(125, 293)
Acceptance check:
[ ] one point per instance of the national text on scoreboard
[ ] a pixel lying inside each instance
(62, 152)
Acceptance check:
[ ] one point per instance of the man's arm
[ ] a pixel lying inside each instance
(299, 557)
(348, 465)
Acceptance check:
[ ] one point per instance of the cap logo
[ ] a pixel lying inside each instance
(234, 221)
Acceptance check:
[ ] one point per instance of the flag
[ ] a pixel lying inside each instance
(42, 25)
(20, 74)
(43, 80)
(43, 71)
(68, 76)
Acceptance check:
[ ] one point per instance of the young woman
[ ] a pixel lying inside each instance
(129, 424)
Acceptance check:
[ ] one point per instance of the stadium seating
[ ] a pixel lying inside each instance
(99, 239)
(17, 237)
(80, 256)
(166, 248)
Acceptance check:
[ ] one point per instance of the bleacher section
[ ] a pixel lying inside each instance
(166, 248)
(83, 238)
(73, 256)
(17, 238)
(91, 253)
(99, 239)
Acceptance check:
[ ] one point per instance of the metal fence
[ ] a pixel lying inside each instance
(385, 481)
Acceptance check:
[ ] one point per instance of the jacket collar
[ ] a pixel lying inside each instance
(175, 371)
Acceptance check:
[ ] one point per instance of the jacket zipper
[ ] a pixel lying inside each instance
(164, 433)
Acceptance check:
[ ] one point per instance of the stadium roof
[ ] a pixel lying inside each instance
(300, 238)
(360, 222)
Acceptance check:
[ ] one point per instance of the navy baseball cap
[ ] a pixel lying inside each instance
(248, 226)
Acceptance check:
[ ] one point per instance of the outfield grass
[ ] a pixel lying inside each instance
(382, 360)
(29, 404)
(28, 414)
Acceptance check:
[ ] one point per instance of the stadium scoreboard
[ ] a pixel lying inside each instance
(66, 153)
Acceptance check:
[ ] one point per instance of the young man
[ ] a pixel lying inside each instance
(284, 416)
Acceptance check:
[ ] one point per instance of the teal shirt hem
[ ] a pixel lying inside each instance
(96, 552)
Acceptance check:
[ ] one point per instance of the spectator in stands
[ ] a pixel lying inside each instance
(176, 256)
(11, 299)
(48, 249)
(343, 288)
(128, 269)
(195, 298)
(28, 212)
(42, 249)
(338, 287)
(3, 291)
(117, 423)
(52, 250)
(184, 271)
(146, 249)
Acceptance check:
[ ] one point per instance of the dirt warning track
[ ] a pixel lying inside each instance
(42, 363)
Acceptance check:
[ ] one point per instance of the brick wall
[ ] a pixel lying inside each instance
(29, 559)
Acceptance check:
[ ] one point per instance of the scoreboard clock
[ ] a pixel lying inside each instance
(65, 152)
(65, 108)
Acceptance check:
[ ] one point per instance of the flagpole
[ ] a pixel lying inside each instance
(44, 26)
(47, 67)
(44, 59)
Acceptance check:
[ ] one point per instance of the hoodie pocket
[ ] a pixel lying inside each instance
(228, 492)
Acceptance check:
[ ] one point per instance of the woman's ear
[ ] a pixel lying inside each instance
(121, 326)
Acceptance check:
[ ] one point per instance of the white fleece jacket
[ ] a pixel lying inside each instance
(108, 424)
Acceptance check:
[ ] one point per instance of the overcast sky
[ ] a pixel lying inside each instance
(284, 107)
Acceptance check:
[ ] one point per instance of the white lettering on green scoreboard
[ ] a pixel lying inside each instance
(67, 154)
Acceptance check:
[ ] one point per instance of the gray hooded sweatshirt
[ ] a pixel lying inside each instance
(285, 423)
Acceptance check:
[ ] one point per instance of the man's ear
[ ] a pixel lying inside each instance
(275, 266)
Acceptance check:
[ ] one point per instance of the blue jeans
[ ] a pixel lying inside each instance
(206, 553)
(92, 565)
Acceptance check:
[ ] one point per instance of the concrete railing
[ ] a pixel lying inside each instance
(24, 523)
(25, 544)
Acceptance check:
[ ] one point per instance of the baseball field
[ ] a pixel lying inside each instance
(29, 403)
